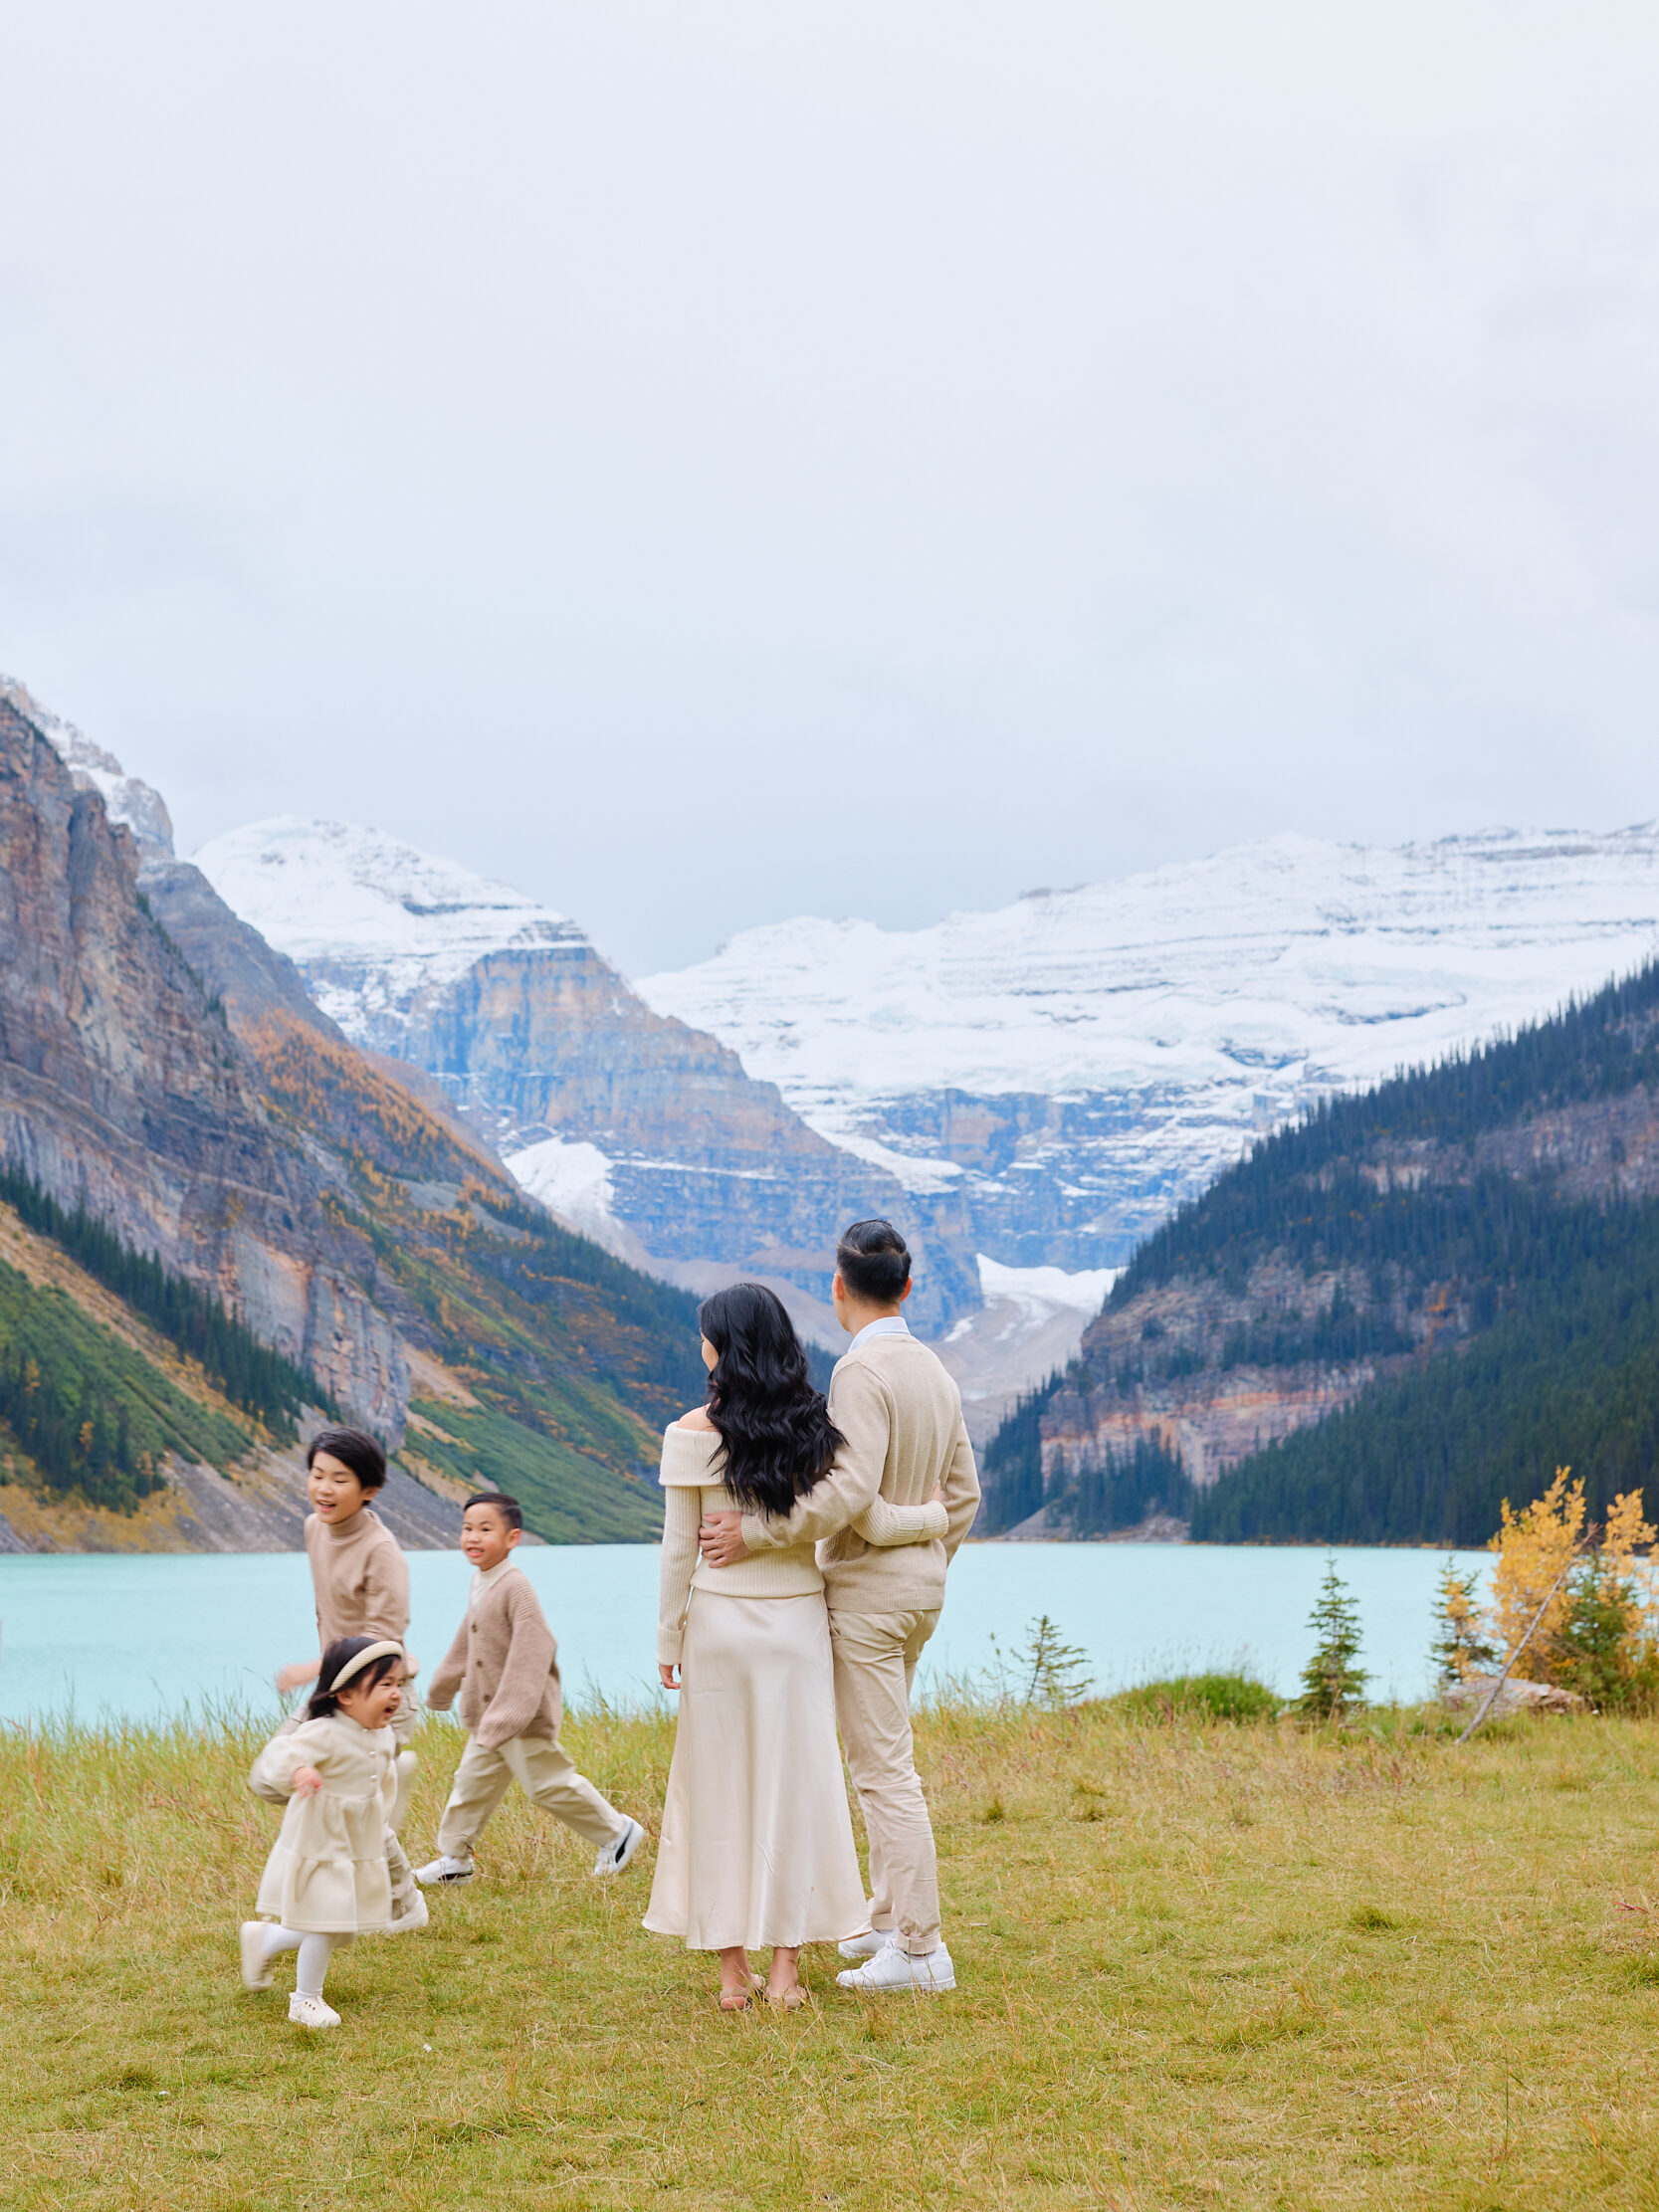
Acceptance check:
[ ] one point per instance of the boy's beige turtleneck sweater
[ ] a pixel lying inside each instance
(361, 1577)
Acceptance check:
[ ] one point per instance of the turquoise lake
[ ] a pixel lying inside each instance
(145, 1637)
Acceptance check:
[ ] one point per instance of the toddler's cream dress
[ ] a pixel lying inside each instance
(326, 1873)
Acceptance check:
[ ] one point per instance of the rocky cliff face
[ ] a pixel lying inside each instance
(119, 1084)
(166, 1069)
(637, 1129)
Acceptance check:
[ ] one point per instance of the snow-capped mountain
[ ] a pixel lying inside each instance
(1076, 1063)
(380, 930)
(639, 1131)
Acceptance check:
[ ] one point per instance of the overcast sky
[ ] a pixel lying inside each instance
(708, 463)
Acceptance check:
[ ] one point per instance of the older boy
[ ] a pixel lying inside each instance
(504, 1662)
(360, 1583)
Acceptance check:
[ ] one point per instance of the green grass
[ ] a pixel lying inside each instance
(1200, 1697)
(1200, 1964)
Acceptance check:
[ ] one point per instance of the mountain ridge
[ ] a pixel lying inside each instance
(640, 1129)
(184, 1092)
(1332, 1343)
(1079, 1061)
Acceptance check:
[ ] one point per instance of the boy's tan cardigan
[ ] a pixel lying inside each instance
(504, 1663)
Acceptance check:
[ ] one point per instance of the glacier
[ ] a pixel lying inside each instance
(1086, 1059)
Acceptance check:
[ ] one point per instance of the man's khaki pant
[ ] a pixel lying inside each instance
(548, 1779)
(875, 1667)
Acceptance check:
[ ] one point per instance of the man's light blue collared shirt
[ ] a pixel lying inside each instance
(889, 1325)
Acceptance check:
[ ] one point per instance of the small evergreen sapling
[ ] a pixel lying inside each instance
(1461, 1647)
(1045, 1671)
(1331, 1682)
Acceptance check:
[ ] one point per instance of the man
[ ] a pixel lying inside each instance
(902, 1417)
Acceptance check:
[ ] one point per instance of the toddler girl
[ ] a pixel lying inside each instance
(327, 1879)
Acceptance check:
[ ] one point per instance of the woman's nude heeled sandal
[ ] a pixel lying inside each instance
(745, 2001)
(791, 2000)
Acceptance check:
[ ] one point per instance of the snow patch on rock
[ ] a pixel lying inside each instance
(126, 799)
(572, 1180)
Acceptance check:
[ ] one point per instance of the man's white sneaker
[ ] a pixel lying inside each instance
(867, 1945)
(415, 1916)
(445, 1870)
(613, 1857)
(311, 2012)
(891, 1969)
(257, 1968)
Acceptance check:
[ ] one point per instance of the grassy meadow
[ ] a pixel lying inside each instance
(1199, 1963)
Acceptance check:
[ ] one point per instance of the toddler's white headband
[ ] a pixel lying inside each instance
(362, 1660)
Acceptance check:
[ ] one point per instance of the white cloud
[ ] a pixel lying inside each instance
(705, 462)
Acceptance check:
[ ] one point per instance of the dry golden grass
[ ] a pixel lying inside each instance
(1198, 1965)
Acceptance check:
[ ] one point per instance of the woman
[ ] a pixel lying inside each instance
(757, 1844)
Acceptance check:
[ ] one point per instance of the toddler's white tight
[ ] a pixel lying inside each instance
(315, 1954)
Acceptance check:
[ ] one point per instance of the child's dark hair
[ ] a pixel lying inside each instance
(340, 1653)
(354, 1450)
(508, 1507)
(873, 1261)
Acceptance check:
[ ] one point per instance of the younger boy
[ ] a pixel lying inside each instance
(503, 1662)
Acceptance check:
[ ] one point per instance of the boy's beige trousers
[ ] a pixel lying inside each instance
(548, 1779)
(875, 1656)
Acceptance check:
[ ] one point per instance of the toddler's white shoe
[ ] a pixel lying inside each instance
(868, 1944)
(613, 1857)
(256, 1967)
(893, 1968)
(311, 2012)
(415, 1916)
(445, 1870)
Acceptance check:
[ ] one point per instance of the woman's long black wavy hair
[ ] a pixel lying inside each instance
(777, 1436)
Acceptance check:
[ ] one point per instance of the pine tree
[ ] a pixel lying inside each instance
(1331, 1682)
(1461, 1647)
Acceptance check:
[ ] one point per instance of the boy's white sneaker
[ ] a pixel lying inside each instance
(415, 1916)
(445, 1870)
(257, 1967)
(613, 1857)
(867, 1945)
(891, 1969)
(311, 2012)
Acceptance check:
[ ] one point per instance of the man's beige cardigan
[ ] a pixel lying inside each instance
(900, 1413)
(504, 1663)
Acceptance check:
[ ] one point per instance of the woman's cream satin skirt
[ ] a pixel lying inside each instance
(756, 1845)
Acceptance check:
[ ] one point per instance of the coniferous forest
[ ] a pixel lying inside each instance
(1480, 1238)
(249, 1373)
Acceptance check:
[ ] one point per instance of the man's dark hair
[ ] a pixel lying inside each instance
(873, 1261)
(508, 1507)
(354, 1450)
